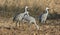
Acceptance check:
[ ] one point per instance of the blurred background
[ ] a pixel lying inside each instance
(9, 8)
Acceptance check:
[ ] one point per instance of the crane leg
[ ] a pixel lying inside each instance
(16, 23)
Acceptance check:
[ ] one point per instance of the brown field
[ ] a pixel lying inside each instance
(34, 5)
(8, 9)
(7, 27)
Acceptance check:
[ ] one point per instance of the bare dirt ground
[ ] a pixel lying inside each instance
(7, 27)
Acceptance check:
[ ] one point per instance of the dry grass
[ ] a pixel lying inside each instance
(8, 8)
(34, 5)
(11, 7)
(7, 27)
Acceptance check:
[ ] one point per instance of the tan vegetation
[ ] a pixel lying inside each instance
(7, 27)
(54, 5)
(12, 7)
(8, 8)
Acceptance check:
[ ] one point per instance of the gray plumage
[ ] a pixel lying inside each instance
(31, 19)
(19, 17)
(43, 17)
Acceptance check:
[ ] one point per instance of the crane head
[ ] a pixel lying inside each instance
(47, 8)
(26, 6)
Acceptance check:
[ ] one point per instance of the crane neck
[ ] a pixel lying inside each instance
(26, 12)
(25, 9)
(47, 11)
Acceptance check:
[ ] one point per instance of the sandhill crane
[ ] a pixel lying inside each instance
(43, 16)
(30, 20)
(19, 17)
(26, 10)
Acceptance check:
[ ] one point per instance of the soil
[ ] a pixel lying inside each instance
(8, 27)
